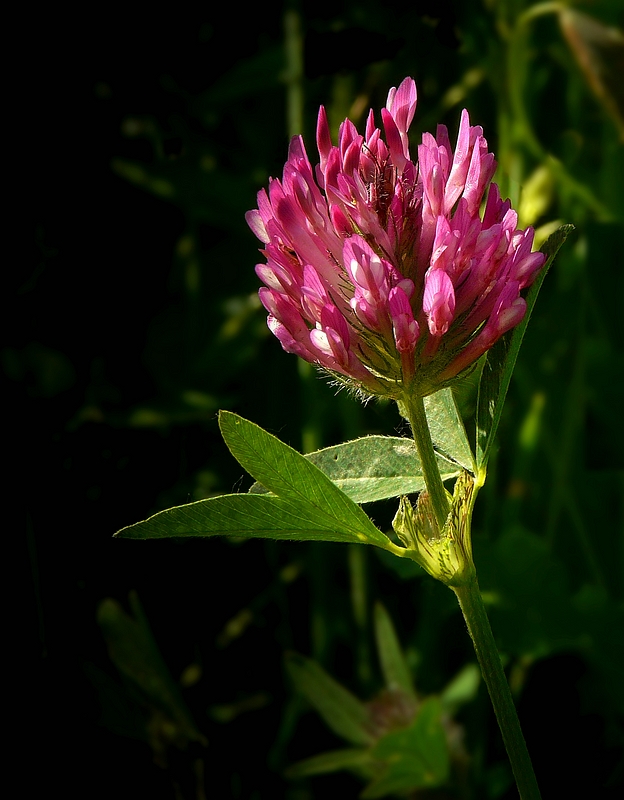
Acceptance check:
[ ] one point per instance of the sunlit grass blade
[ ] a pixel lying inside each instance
(501, 359)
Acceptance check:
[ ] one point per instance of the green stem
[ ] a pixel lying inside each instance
(415, 409)
(473, 609)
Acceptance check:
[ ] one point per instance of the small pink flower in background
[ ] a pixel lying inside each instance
(381, 269)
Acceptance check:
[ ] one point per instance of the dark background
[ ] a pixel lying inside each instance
(132, 318)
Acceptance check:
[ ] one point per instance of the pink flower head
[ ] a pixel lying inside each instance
(383, 270)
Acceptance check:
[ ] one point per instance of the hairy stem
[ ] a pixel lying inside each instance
(415, 409)
(473, 609)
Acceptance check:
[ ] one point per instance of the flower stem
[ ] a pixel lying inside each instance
(415, 408)
(473, 609)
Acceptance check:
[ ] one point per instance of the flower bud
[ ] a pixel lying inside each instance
(446, 555)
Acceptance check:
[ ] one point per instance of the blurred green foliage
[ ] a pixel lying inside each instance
(140, 319)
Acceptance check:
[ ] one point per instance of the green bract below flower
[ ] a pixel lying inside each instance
(396, 275)
(445, 554)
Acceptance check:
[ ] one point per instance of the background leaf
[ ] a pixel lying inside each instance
(393, 665)
(342, 711)
(461, 689)
(134, 652)
(417, 756)
(354, 759)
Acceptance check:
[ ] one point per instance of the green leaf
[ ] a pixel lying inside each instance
(374, 468)
(308, 505)
(501, 359)
(342, 711)
(355, 759)
(416, 757)
(253, 516)
(462, 689)
(393, 665)
(134, 652)
(447, 429)
(286, 473)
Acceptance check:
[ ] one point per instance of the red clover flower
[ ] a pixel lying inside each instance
(385, 271)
